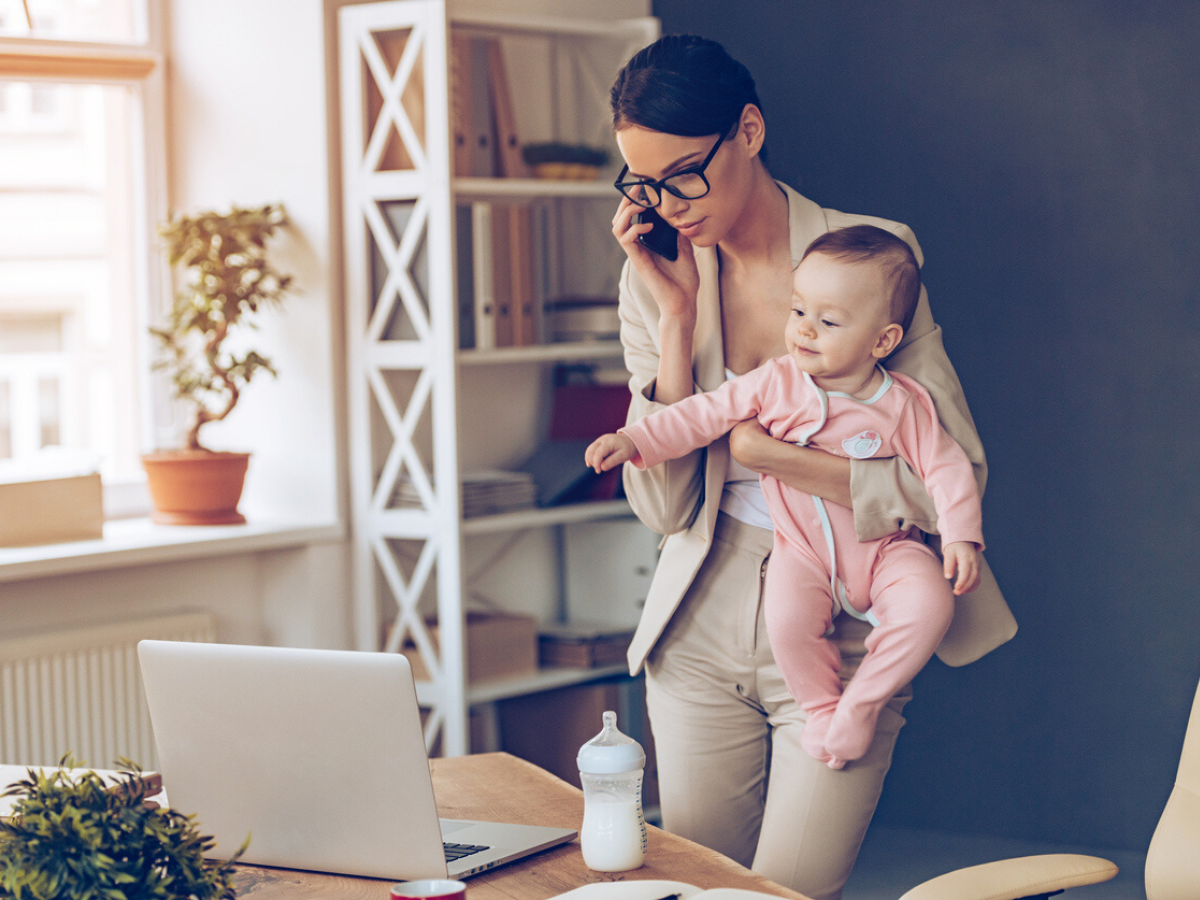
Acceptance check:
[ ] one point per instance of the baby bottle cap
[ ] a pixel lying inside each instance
(611, 752)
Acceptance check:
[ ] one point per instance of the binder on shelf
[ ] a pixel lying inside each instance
(502, 273)
(483, 127)
(460, 103)
(484, 276)
(499, 295)
(509, 163)
(544, 257)
(465, 276)
(524, 290)
(482, 118)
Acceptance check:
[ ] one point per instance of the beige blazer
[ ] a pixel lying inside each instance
(680, 498)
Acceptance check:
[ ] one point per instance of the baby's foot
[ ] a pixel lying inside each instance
(850, 731)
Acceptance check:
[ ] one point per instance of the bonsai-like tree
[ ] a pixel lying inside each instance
(228, 279)
(73, 837)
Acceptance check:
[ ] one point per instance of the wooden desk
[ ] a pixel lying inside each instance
(502, 788)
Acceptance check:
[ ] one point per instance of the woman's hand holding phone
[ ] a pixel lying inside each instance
(674, 283)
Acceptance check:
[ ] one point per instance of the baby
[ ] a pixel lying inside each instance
(853, 295)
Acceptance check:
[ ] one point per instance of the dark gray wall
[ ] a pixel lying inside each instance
(1046, 155)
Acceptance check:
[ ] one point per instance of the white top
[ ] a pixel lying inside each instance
(742, 497)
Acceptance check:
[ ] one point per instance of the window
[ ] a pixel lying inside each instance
(79, 20)
(81, 155)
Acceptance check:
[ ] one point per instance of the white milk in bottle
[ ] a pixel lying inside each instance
(613, 834)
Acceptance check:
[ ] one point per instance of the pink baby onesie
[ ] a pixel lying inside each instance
(818, 565)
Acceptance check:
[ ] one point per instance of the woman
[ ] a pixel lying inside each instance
(732, 773)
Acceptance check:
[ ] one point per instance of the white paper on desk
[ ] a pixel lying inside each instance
(10, 775)
(654, 890)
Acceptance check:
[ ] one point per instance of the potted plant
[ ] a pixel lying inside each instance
(228, 279)
(71, 836)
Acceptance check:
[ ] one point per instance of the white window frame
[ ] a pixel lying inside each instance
(138, 65)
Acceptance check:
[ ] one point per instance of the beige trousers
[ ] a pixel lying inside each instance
(732, 773)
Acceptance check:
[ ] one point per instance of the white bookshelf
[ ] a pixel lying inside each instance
(413, 387)
(546, 679)
(579, 351)
(566, 514)
(489, 188)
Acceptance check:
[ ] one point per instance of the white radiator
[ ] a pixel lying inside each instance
(81, 691)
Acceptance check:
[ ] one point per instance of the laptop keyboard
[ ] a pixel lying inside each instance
(458, 851)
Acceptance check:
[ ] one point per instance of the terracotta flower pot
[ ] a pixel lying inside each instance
(196, 487)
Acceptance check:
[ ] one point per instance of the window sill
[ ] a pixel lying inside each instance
(135, 542)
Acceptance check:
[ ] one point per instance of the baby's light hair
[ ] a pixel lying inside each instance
(869, 243)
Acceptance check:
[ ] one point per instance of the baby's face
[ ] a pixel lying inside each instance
(839, 310)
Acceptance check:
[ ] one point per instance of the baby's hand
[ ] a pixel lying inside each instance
(609, 451)
(962, 557)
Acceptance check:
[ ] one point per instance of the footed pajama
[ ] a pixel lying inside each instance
(818, 567)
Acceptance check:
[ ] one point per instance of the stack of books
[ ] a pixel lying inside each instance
(489, 493)
(484, 493)
(583, 319)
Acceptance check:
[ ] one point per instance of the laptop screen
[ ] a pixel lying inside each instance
(317, 755)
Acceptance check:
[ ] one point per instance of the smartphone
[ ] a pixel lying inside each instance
(662, 238)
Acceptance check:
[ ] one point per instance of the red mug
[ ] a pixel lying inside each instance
(429, 889)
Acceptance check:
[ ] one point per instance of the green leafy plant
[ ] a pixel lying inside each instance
(71, 836)
(228, 280)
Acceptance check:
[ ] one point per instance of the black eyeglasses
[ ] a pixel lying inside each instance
(687, 184)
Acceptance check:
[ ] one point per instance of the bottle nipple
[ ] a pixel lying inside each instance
(608, 734)
(610, 751)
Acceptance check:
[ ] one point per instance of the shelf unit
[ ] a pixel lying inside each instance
(502, 689)
(408, 412)
(579, 351)
(470, 188)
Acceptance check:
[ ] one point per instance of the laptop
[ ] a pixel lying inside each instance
(318, 756)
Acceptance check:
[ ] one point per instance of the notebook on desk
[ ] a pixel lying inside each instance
(318, 756)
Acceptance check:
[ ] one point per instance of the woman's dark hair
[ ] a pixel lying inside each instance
(685, 85)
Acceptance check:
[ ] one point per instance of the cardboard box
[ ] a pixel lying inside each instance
(583, 646)
(51, 510)
(497, 646)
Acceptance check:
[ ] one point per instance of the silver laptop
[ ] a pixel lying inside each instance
(318, 756)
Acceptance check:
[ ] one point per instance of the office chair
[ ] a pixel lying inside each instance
(1172, 863)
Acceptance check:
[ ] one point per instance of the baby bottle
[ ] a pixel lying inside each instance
(613, 835)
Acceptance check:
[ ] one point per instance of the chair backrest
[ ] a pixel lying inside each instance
(1173, 861)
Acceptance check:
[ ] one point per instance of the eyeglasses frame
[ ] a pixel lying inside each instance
(661, 185)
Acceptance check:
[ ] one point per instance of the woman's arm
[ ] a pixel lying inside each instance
(667, 497)
(803, 468)
(672, 287)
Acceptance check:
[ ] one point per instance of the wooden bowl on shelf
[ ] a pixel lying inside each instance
(564, 162)
(566, 171)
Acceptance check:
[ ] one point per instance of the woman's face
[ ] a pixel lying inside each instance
(655, 155)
